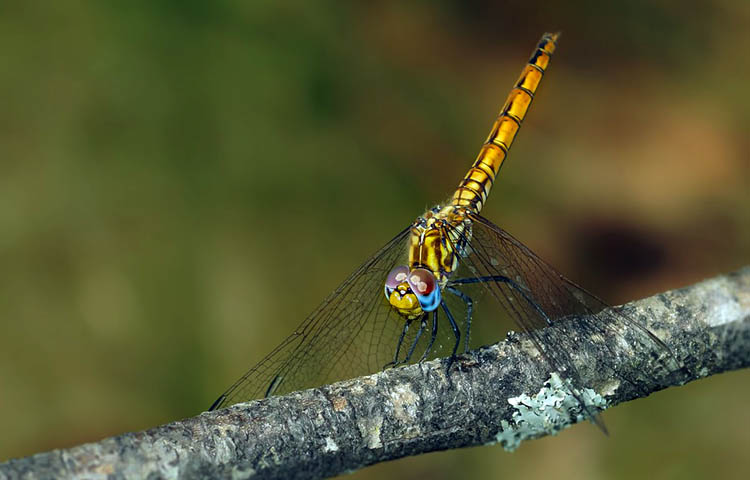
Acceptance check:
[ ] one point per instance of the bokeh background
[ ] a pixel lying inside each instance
(182, 181)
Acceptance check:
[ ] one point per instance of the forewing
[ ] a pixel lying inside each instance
(353, 332)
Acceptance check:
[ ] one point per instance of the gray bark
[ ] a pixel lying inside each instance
(499, 394)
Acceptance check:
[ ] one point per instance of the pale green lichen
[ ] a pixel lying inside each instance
(548, 412)
(330, 445)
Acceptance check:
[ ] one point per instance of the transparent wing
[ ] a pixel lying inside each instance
(535, 296)
(353, 332)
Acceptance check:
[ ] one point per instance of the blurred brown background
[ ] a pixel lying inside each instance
(166, 167)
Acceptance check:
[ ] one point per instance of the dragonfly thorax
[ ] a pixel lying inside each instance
(438, 239)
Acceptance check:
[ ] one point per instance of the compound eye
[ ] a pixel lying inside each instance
(425, 287)
(422, 281)
(396, 276)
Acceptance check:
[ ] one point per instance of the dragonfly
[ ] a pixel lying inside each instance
(416, 297)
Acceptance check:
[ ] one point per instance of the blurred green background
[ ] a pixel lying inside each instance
(166, 167)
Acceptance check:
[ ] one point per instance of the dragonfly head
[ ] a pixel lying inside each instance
(412, 292)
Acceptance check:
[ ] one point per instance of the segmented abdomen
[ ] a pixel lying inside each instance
(473, 190)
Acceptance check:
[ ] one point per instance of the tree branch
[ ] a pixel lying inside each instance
(495, 394)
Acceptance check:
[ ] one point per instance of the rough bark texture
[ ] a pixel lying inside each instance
(496, 394)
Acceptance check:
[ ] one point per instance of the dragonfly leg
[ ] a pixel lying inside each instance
(456, 332)
(422, 325)
(469, 308)
(398, 346)
(432, 337)
(511, 283)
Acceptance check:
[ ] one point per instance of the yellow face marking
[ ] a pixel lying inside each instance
(405, 301)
